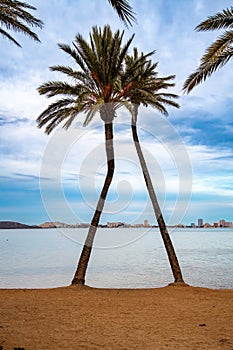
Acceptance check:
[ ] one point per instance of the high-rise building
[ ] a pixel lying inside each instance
(146, 223)
(222, 223)
(200, 222)
(228, 224)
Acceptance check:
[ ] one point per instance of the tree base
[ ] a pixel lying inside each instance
(178, 283)
(78, 282)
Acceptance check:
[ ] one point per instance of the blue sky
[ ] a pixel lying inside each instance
(190, 153)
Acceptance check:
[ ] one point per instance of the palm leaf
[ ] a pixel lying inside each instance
(216, 56)
(14, 17)
(74, 54)
(8, 36)
(53, 88)
(91, 113)
(220, 20)
(218, 53)
(205, 70)
(124, 11)
(218, 47)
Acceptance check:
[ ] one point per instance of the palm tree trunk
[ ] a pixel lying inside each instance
(79, 277)
(162, 226)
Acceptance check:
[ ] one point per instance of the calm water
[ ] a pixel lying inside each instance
(122, 258)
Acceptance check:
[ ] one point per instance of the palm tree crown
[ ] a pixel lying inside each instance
(14, 16)
(96, 82)
(146, 85)
(218, 53)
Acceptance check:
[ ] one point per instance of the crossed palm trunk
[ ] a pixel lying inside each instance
(106, 77)
(79, 277)
(176, 270)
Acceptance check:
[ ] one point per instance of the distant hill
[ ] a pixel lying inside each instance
(13, 224)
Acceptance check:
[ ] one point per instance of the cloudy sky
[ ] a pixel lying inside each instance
(190, 153)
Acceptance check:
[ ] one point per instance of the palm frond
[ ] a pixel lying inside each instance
(218, 53)
(220, 20)
(124, 52)
(165, 100)
(216, 56)
(147, 86)
(91, 113)
(8, 36)
(74, 54)
(15, 9)
(14, 24)
(60, 117)
(55, 118)
(55, 106)
(85, 52)
(53, 88)
(17, 4)
(71, 73)
(124, 11)
(167, 96)
(218, 47)
(205, 70)
(14, 17)
(78, 108)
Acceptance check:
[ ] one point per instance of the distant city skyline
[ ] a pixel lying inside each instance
(51, 224)
(219, 223)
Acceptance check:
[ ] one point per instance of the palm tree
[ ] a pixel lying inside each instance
(218, 53)
(124, 11)
(95, 87)
(146, 91)
(14, 16)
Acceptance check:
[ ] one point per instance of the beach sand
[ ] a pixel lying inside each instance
(173, 317)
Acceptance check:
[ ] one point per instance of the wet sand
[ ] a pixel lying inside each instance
(173, 317)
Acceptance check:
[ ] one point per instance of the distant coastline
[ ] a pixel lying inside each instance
(45, 225)
(57, 224)
(16, 225)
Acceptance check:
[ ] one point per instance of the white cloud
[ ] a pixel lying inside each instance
(20, 99)
(165, 26)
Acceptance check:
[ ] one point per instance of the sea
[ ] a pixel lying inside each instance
(121, 257)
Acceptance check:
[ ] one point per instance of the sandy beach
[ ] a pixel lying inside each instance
(173, 317)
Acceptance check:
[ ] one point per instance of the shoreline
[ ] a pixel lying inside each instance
(89, 318)
(87, 287)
